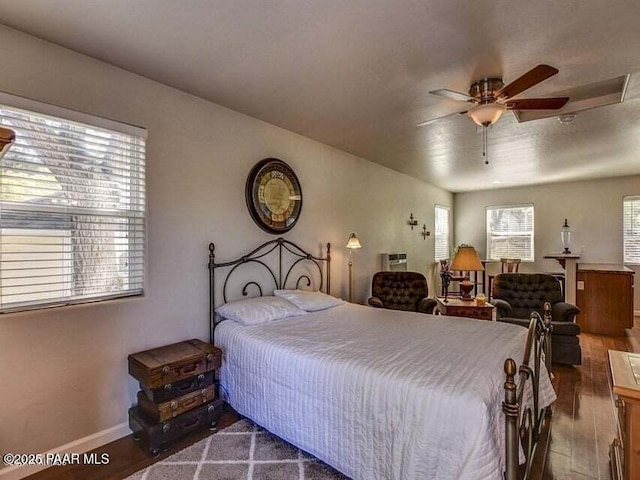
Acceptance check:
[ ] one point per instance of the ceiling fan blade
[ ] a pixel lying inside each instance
(433, 120)
(462, 97)
(537, 103)
(532, 77)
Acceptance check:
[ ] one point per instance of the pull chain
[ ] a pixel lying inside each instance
(485, 152)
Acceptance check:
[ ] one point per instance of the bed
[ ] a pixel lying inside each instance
(383, 394)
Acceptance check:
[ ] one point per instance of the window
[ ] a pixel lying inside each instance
(72, 207)
(510, 232)
(631, 228)
(442, 233)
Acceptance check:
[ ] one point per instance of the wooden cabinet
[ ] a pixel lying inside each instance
(605, 297)
(625, 449)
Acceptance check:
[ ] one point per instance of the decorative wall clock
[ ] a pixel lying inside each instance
(273, 195)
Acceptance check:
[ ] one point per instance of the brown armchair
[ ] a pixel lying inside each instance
(401, 291)
(516, 295)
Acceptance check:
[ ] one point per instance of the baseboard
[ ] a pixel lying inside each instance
(81, 445)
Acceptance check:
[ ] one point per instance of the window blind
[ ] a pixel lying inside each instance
(72, 211)
(442, 233)
(510, 232)
(631, 229)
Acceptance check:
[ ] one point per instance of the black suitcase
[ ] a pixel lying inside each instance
(161, 412)
(156, 437)
(178, 389)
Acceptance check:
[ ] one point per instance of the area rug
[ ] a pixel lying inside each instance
(242, 451)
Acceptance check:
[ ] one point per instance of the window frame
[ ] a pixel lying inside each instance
(65, 114)
(625, 199)
(533, 229)
(435, 227)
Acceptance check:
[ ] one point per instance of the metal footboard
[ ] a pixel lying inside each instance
(524, 423)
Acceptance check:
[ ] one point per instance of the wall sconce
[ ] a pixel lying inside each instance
(412, 221)
(425, 233)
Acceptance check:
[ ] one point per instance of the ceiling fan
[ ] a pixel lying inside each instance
(490, 98)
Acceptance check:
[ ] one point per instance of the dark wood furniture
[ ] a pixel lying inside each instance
(177, 395)
(485, 280)
(605, 297)
(625, 449)
(456, 307)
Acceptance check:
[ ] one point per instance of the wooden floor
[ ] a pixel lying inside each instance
(581, 429)
(583, 424)
(125, 458)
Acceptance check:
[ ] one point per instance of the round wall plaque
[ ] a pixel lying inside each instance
(273, 195)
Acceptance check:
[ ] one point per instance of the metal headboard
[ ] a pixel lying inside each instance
(288, 256)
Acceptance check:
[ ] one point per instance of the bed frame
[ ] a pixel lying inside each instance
(289, 257)
(280, 258)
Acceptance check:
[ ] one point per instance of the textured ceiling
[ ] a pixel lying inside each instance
(356, 75)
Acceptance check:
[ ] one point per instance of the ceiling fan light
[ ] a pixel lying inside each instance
(487, 114)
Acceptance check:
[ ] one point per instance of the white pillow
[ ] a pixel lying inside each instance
(255, 311)
(309, 301)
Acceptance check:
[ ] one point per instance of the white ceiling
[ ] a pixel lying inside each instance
(356, 74)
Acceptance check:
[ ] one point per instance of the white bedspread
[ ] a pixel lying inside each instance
(379, 394)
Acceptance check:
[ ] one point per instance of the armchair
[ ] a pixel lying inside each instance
(401, 291)
(516, 295)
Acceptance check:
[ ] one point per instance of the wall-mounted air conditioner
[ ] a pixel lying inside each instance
(394, 262)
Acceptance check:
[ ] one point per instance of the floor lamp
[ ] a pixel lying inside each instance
(352, 244)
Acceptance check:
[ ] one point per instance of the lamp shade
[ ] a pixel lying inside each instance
(7, 137)
(353, 242)
(466, 260)
(487, 114)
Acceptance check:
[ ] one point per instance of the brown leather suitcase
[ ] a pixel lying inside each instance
(173, 390)
(169, 364)
(162, 412)
(156, 437)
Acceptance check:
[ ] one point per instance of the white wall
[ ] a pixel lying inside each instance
(593, 208)
(64, 371)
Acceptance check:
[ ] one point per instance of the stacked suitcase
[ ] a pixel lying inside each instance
(178, 392)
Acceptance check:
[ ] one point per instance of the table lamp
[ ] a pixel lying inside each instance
(466, 260)
(352, 244)
(565, 237)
